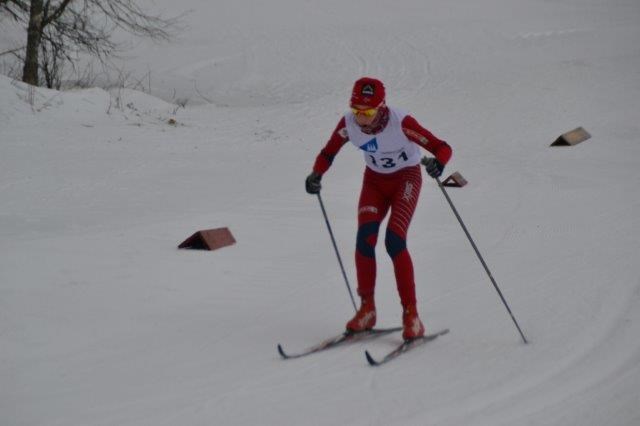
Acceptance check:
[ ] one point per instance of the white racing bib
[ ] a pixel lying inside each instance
(387, 151)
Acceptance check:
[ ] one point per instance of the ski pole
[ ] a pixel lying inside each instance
(333, 240)
(486, 268)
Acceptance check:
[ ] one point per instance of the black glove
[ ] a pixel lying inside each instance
(433, 167)
(312, 184)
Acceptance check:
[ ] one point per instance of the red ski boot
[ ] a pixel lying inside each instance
(365, 318)
(413, 327)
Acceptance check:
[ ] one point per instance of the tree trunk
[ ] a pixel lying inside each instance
(34, 37)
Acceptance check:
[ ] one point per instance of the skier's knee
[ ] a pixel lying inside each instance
(366, 239)
(394, 243)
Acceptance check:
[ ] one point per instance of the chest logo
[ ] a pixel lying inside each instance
(371, 146)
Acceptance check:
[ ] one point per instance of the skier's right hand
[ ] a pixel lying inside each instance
(312, 183)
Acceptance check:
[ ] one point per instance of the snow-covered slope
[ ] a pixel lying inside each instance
(104, 322)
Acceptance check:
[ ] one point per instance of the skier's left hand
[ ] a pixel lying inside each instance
(312, 183)
(433, 167)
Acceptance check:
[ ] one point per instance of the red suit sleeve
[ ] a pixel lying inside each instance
(327, 154)
(418, 134)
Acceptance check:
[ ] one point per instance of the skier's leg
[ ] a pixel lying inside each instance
(403, 207)
(372, 208)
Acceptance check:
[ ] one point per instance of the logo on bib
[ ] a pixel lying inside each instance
(371, 146)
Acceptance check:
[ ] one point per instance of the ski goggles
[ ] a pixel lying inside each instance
(369, 112)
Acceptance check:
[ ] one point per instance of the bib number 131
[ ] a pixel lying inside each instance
(386, 162)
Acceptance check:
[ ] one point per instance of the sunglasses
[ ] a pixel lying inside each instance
(369, 112)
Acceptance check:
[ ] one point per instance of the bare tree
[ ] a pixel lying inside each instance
(57, 31)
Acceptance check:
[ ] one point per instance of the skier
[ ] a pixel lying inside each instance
(390, 139)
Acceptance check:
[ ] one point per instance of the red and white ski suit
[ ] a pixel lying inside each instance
(392, 181)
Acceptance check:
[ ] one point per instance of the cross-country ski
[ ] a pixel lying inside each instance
(404, 347)
(346, 337)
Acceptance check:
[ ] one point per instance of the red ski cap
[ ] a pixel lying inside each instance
(368, 91)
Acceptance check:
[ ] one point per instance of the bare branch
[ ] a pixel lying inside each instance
(24, 6)
(130, 17)
(12, 51)
(62, 29)
(56, 13)
(23, 9)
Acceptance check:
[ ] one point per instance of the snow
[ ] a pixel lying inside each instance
(103, 321)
